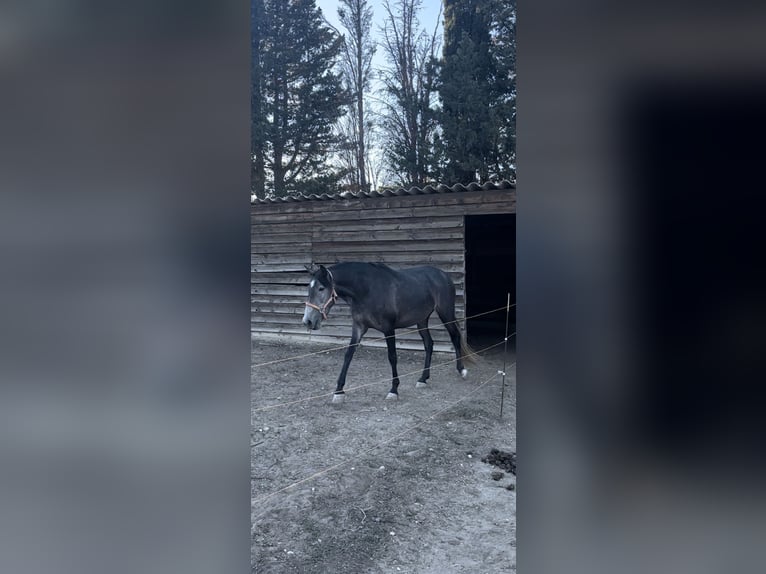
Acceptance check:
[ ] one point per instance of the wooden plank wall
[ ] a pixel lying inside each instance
(399, 231)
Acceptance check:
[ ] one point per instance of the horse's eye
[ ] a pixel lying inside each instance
(321, 288)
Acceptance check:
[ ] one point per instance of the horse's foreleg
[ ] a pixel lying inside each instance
(428, 343)
(356, 335)
(391, 343)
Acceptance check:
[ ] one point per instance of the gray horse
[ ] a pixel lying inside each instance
(384, 299)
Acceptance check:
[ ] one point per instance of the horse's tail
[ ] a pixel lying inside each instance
(466, 352)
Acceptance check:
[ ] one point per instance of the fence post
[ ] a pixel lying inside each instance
(505, 352)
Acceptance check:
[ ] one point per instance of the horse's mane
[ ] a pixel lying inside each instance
(377, 265)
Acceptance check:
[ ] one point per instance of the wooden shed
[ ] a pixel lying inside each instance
(468, 231)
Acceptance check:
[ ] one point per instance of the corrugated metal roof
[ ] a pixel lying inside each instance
(427, 190)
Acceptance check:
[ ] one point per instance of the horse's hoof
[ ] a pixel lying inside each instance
(464, 373)
(338, 398)
(392, 396)
(421, 385)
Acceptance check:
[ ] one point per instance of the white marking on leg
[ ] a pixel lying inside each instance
(338, 398)
(392, 396)
(421, 384)
(464, 373)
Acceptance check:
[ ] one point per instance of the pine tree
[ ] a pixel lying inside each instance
(258, 174)
(301, 95)
(468, 118)
(504, 54)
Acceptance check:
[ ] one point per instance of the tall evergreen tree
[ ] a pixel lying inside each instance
(468, 94)
(257, 173)
(359, 49)
(408, 121)
(301, 95)
(504, 54)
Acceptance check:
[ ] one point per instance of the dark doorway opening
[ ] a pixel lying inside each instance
(490, 275)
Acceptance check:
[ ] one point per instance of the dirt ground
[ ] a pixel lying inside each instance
(422, 503)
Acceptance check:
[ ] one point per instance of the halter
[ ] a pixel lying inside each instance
(331, 301)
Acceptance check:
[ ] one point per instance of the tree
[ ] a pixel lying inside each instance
(504, 54)
(468, 116)
(409, 85)
(257, 173)
(301, 96)
(356, 68)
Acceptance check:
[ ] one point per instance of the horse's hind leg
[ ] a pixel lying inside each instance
(391, 343)
(454, 333)
(428, 343)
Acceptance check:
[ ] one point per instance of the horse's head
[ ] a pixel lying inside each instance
(321, 298)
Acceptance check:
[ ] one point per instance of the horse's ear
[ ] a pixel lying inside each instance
(323, 274)
(311, 268)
